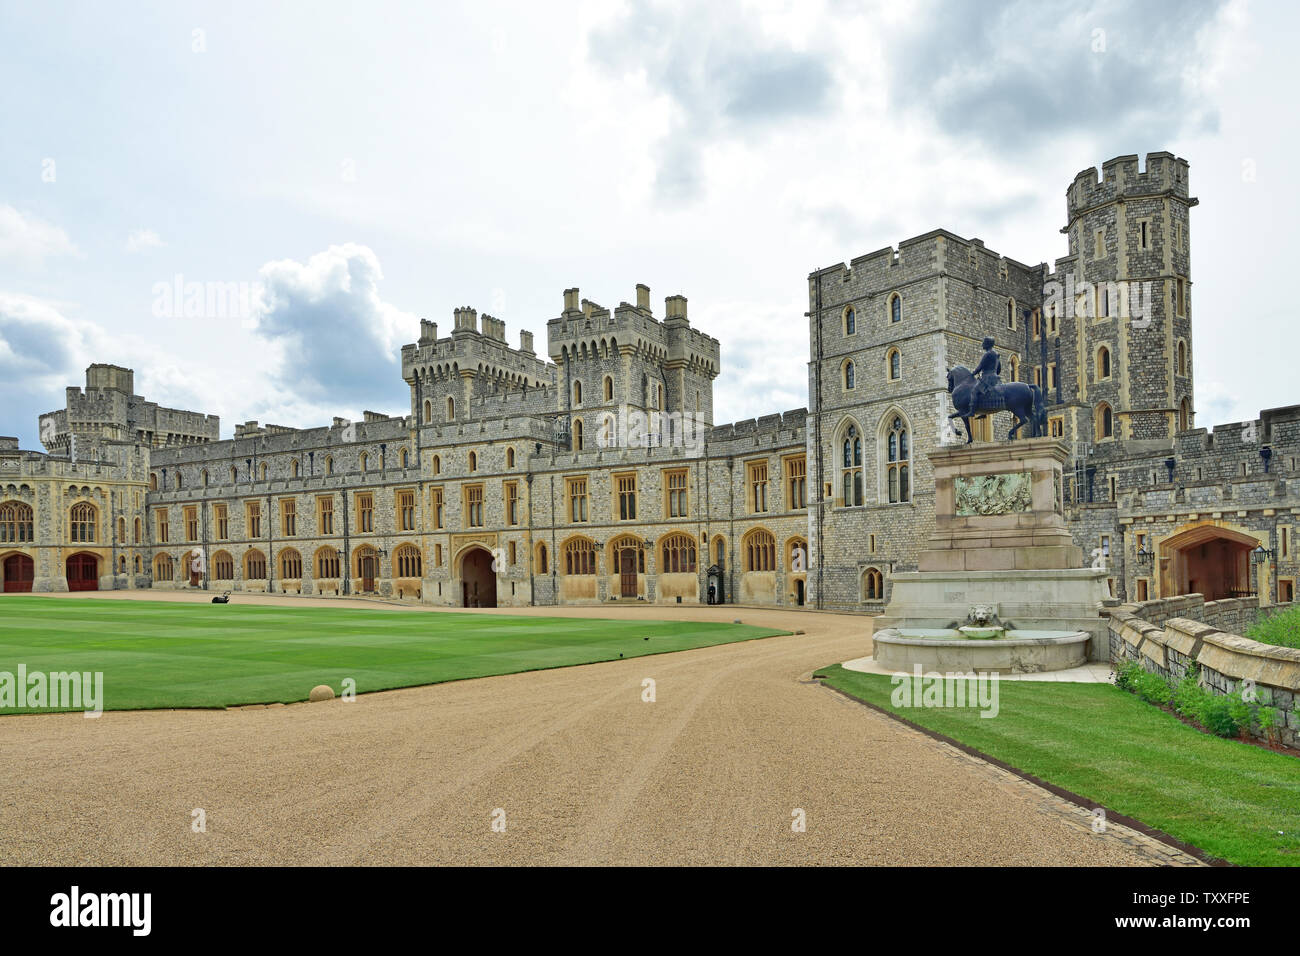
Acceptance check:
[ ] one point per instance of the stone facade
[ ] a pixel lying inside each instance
(595, 472)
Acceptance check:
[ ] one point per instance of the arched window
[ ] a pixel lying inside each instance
(796, 555)
(408, 562)
(1184, 415)
(403, 458)
(1014, 364)
(163, 570)
(135, 532)
(121, 530)
(180, 479)
(83, 523)
(898, 456)
(579, 556)
(577, 393)
(1105, 422)
(577, 434)
(720, 551)
(473, 461)
(205, 478)
(223, 566)
(254, 565)
(678, 554)
(1011, 313)
(873, 585)
(153, 481)
(848, 374)
(428, 411)
(294, 468)
(329, 465)
(451, 409)
(1103, 363)
(851, 466)
(896, 308)
(541, 559)
(290, 565)
(609, 389)
(327, 563)
(17, 522)
(437, 464)
(261, 471)
(850, 321)
(895, 365)
(234, 474)
(1182, 357)
(364, 460)
(510, 458)
(138, 565)
(759, 548)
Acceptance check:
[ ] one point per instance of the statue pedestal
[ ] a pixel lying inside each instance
(1000, 539)
(997, 507)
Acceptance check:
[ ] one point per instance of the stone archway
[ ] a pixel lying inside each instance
(18, 570)
(83, 572)
(478, 581)
(1209, 559)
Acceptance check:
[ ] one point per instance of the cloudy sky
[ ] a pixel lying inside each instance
(336, 171)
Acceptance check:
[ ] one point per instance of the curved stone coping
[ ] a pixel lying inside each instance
(892, 635)
(1090, 673)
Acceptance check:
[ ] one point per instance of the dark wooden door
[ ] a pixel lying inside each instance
(368, 573)
(19, 572)
(83, 572)
(627, 572)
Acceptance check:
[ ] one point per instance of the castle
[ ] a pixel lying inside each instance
(596, 474)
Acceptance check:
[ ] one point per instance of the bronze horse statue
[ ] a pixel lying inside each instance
(1021, 399)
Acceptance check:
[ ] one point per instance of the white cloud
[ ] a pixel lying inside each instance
(336, 337)
(30, 240)
(141, 239)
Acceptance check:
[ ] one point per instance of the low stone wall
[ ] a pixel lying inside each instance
(1169, 635)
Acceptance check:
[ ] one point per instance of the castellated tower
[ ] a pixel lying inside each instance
(628, 360)
(452, 376)
(1126, 286)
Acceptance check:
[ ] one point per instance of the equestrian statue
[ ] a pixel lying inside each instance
(982, 392)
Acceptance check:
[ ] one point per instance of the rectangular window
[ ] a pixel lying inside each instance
(474, 506)
(222, 516)
(1051, 375)
(1056, 426)
(512, 503)
(577, 499)
(796, 483)
(289, 517)
(1144, 234)
(253, 516)
(757, 480)
(1142, 589)
(406, 510)
(325, 514)
(1180, 297)
(437, 555)
(1284, 542)
(162, 525)
(1105, 546)
(625, 486)
(191, 523)
(514, 553)
(436, 506)
(677, 501)
(365, 513)
(871, 543)
(1285, 590)
(1099, 244)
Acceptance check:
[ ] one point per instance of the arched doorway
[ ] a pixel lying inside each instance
(1207, 559)
(83, 572)
(478, 582)
(367, 569)
(19, 570)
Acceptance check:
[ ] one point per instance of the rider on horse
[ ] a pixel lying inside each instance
(988, 375)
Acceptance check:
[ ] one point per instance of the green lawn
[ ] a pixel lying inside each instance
(1228, 798)
(164, 654)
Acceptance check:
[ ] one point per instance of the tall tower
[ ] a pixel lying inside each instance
(1127, 286)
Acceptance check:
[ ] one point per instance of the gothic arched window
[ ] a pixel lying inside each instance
(898, 456)
(851, 467)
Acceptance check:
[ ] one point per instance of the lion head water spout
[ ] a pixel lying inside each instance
(982, 623)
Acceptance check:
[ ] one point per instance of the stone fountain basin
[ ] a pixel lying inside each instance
(947, 649)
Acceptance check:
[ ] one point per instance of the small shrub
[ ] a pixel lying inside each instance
(1282, 629)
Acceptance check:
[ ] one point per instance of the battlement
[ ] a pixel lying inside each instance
(474, 346)
(890, 266)
(1123, 176)
(584, 325)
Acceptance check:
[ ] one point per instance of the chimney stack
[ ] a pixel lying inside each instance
(643, 297)
(526, 342)
(675, 308)
(571, 299)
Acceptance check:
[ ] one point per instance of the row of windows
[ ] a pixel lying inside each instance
(894, 309)
(896, 458)
(893, 369)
